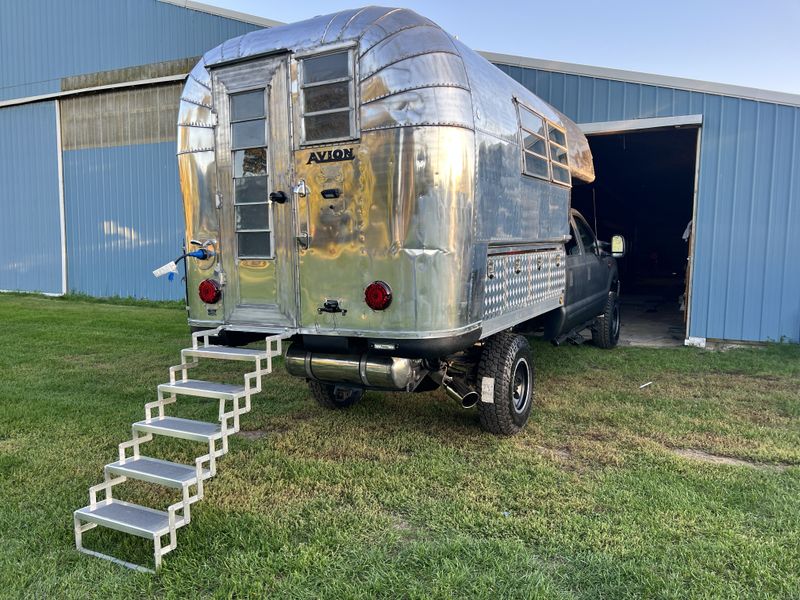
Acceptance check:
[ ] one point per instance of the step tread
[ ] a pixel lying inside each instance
(128, 517)
(176, 426)
(226, 352)
(155, 470)
(197, 385)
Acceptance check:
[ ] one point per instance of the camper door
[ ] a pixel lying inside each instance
(254, 174)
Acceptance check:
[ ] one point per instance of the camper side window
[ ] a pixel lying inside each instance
(544, 147)
(534, 144)
(558, 154)
(327, 97)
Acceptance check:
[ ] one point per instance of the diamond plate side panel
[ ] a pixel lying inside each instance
(524, 280)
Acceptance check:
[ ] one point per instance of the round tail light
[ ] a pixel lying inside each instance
(209, 291)
(378, 295)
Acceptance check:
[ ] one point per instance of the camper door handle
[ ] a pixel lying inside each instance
(278, 197)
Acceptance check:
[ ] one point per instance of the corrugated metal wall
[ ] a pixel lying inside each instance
(124, 211)
(52, 39)
(746, 283)
(30, 225)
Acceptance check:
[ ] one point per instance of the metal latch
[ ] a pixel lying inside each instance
(301, 189)
(331, 306)
(490, 269)
(517, 265)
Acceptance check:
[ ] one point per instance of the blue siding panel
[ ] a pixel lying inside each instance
(746, 282)
(51, 39)
(30, 227)
(125, 219)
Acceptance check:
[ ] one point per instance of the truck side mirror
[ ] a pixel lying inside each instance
(617, 246)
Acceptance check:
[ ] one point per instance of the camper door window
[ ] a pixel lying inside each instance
(250, 192)
(327, 97)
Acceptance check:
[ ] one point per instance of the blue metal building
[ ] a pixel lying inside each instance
(91, 203)
(88, 106)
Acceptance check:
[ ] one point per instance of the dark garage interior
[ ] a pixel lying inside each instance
(644, 190)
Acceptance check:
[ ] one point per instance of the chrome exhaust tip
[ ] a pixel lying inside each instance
(459, 391)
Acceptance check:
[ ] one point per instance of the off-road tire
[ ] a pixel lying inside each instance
(328, 395)
(605, 333)
(502, 355)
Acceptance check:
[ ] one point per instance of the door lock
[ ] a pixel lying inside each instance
(278, 197)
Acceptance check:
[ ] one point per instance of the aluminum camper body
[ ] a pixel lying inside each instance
(370, 145)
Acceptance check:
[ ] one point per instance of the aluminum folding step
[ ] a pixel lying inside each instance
(225, 353)
(127, 517)
(234, 401)
(186, 429)
(154, 470)
(202, 389)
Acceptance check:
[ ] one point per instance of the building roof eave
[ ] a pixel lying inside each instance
(692, 85)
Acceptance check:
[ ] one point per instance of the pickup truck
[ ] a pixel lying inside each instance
(592, 290)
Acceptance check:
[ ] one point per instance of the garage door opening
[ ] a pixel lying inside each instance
(645, 190)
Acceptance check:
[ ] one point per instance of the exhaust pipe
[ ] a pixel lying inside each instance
(459, 391)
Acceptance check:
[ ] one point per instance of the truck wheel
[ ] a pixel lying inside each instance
(605, 333)
(332, 396)
(506, 358)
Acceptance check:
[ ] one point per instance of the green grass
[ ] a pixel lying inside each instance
(403, 495)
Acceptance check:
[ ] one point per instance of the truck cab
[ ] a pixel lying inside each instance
(591, 297)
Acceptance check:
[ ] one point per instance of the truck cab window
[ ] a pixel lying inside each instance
(571, 247)
(587, 236)
(327, 97)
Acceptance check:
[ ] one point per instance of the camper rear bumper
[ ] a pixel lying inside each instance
(404, 345)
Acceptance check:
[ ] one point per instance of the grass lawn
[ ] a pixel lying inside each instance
(403, 495)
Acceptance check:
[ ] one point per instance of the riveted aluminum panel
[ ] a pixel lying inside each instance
(30, 227)
(746, 279)
(533, 280)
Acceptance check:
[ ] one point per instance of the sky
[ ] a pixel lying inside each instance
(743, 42)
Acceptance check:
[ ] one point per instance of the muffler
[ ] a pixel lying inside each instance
(373, 371)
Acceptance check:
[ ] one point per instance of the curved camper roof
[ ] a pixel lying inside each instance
(384, 37)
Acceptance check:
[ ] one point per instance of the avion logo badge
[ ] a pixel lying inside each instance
(325, 156)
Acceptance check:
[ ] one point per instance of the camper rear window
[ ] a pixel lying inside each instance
(327, 97)
(544, 147)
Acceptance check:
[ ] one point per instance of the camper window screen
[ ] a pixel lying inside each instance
(252, 209)
(327, 98)
(534, 143)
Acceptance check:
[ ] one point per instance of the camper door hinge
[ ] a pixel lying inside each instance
(218, 200)
(214, 119)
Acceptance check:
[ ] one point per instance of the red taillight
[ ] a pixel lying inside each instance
(209, 291)
(378, 295)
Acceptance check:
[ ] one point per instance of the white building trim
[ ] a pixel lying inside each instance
(611, 127)
(224, 12)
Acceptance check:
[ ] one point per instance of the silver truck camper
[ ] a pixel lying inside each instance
(369, 186)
